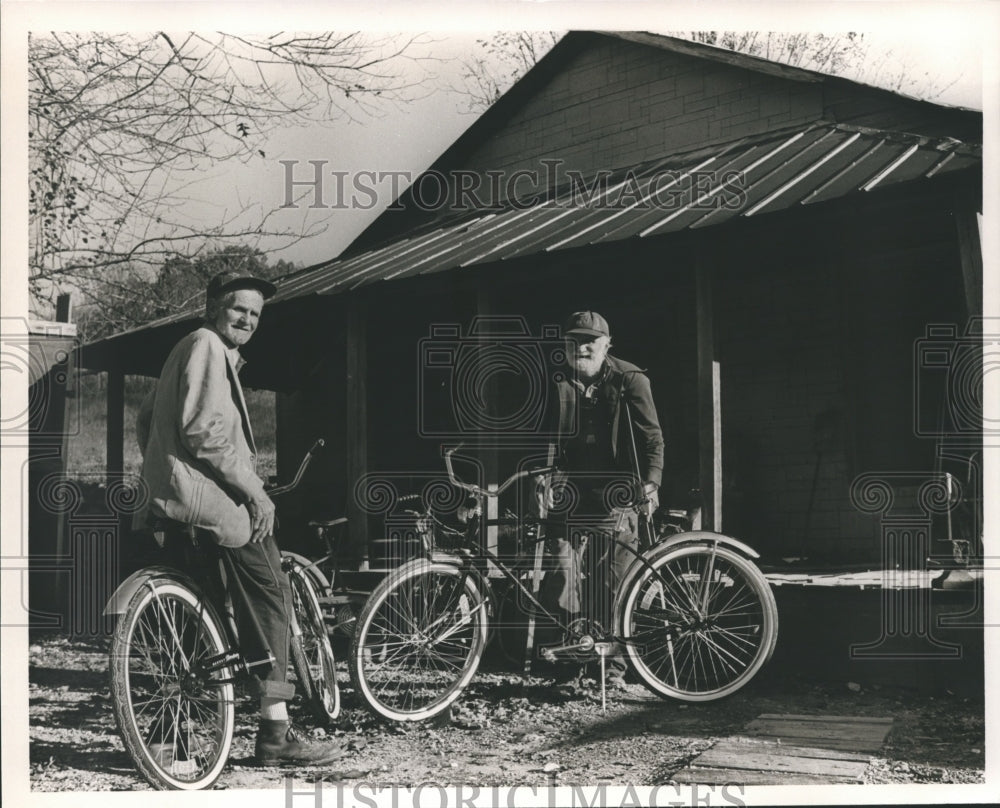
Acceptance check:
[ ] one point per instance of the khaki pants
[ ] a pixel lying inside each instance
(575, 586)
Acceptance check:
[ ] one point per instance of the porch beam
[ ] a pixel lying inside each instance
(116, 424)
(489, 455)
(356, 422)
(709, 401)
(971, 254)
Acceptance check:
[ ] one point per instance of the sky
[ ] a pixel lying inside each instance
(409, 137)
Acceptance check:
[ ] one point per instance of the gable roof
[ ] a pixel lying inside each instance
(799, 166)
(796, 166)
(395, 221)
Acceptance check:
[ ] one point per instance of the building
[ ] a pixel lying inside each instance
(793, 257)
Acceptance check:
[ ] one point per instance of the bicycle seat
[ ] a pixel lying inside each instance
(327, 522)
(164, 529)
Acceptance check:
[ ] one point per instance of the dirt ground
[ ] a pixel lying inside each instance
(507, 730)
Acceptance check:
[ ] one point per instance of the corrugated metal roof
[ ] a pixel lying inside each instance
(745, 178)
(741, 179)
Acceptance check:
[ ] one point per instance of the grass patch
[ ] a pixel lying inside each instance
(87, 449)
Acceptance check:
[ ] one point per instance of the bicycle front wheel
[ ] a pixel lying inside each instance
(175, 719)
(312, 654)
(419, 640)
(699, 624)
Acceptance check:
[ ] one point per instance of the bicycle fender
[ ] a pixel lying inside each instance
(319, 579)
(122, 596)
(692, 537)
(451, 561)
(702, 537)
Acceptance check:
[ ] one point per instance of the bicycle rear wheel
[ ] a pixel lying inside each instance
(175, 720)
(699, 624)
(419, 640)
(312, 654)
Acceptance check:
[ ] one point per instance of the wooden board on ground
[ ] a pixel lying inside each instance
(721, 777)
(740, 745)
(791, 749)
(859, 733)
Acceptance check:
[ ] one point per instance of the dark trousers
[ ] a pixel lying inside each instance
(269, 599)
(262, 612)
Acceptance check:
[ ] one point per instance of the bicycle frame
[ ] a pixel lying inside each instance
(474, 560)
(126, 590)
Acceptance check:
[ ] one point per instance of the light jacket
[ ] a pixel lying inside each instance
(199, 459)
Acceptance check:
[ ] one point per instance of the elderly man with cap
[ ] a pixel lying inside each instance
(199, 466)
(610, 449)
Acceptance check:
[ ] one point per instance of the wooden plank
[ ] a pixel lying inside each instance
(773, 762)
(739, 746)
(821, 740)
(837, 719)
(708, 776)
(804, 730)
(845, 744)
(971, 256)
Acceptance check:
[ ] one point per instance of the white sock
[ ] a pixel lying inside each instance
(273, 709)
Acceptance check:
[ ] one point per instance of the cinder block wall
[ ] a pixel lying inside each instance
(786, 413)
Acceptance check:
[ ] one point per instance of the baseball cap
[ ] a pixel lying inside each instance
(587, 322)
(238, 279)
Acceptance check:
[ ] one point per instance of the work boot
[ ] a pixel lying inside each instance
(279, 744)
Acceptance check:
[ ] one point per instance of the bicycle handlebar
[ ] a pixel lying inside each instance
(482, 492)
(284, 489)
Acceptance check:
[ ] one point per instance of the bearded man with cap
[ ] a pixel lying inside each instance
(199, 464)
(610, 450)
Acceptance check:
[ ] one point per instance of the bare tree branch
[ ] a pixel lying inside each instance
(121, 124)
(500, 61)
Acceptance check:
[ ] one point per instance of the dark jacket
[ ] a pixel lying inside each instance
(624, 383)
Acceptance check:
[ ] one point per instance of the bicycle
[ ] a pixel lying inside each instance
(175, 657)
(694, 616)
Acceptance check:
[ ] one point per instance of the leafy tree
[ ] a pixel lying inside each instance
(179, 285)
(120, 125)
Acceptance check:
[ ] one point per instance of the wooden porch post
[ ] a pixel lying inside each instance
(356, 422)
(116, 424)
(971, 252)
(709, 403)
(489, 454)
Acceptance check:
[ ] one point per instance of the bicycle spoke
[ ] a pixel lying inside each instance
(422, 638)
(697, 627)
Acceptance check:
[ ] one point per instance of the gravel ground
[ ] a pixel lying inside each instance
(507, 730)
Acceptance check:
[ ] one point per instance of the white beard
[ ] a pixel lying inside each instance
(587, 367)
